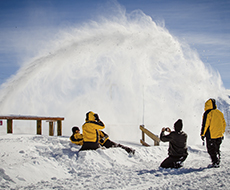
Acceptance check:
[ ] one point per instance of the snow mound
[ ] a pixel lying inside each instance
(43, 162)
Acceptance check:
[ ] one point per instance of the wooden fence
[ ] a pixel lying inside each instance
(150, 134)
(51, 121)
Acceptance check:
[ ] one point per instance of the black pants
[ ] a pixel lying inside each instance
(109, 144)
(173, 162)
(89, 146)
(213, 148)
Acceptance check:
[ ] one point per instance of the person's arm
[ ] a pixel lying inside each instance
(103, 137)
(205, 123)
(224, 123)
(163, 137)
(98, 123)
(77, 139)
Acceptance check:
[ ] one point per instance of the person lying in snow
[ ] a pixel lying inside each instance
(106, 142)
(177, 146)
(91, 131)
(76, 137)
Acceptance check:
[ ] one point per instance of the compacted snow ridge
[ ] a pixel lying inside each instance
(44, 162)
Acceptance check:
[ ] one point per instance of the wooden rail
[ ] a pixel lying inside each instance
(51, 120)
(150, 134)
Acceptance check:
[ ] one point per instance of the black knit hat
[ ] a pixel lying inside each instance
(74, 129)
(178, 125)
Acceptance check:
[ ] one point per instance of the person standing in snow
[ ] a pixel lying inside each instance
(91, 131)
(177, 146)
(213, 128)
(76, 137)
(106, 142)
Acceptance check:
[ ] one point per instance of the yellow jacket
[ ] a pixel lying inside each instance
(213, 125)
(103, 137)
(77, 139)
(91, 128)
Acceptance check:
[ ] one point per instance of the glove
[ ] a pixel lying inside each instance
(202, 138)
(168, 129)
(96, 117)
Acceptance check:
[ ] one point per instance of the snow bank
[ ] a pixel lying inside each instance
(43, 162)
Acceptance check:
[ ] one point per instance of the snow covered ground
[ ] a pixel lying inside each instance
(44, 162)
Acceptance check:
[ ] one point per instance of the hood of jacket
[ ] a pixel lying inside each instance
(210, 104)
(90, 116)
(178, 125)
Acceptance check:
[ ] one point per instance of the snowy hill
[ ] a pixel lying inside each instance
(43, 162)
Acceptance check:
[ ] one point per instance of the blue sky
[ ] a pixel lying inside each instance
(26, 25)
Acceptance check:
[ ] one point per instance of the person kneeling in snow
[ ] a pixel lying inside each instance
(177, 146)
(106, 142)
(76, 137)
(91, 131)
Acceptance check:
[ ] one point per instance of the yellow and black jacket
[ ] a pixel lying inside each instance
(77, 139)
(213, 125)
(103, 137)
(91, 128)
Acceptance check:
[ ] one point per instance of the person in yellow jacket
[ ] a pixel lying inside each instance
(106, 142)
(213, 128)
(91, 131)
(76, 137)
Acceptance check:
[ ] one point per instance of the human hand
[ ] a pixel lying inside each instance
(96, 117)
(202, 138)
(168, 129)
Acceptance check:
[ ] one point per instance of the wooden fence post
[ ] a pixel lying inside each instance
(59, 128)
(39, 127)
(156, 143)
(9, 126)
(51, 128)
(143, 134)
(151, 135)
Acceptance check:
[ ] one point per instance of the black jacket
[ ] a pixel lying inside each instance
(177, 143)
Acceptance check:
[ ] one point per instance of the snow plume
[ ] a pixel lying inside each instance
(128, 69)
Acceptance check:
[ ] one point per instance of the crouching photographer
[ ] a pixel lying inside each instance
(177, 146)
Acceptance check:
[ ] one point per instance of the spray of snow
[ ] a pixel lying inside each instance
(128, 69)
